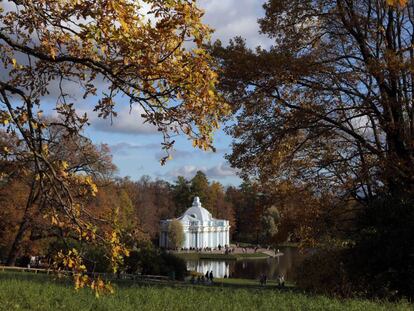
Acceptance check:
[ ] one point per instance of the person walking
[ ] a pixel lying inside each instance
(281, 280)
(211, 276)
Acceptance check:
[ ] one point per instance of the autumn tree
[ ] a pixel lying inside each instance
(248, 205)
(109, 51)
(182, 195)
(219, 205)
(270, 222)
(75, 153)
(176, 233)
(330, 102)
(199, 185)
(13, 193)
(329, 107)
(152, 200)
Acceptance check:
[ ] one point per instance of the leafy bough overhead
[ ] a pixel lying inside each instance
(137, 50)
(331, 103)
(328, 110)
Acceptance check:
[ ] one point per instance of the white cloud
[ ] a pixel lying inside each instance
(188, 171)
(128, 121)
(123, 147)
(232, 18)
(219, 171)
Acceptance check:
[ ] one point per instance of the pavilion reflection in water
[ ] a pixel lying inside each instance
(219, 268)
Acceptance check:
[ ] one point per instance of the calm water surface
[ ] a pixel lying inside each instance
(253, 268)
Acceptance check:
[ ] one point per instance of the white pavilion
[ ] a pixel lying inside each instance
(200, 229)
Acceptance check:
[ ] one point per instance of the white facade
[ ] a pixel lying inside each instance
(201, 230)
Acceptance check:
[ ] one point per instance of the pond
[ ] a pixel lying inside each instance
(252, 268)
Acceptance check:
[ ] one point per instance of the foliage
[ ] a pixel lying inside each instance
(324, 272)
(107, 50)
(148, 260)
(152, 201)
(199, 185)
(219, 205)
(87, 163)
(270, 222)
(176, 233)
(377, 262)
(249, 205)
(94, 256)
(182, 195)
(327, 113)
(322, 109)
(382, 257)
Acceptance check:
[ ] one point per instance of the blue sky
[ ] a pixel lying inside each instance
(136, 147)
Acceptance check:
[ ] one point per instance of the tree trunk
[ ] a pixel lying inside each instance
(24, 225)
(15, 249)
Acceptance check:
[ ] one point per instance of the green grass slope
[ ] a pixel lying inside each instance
(39, 292)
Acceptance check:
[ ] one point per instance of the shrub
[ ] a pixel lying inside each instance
(383, 256)
(324, 272)
(152, 261)
(95, 258)
(176, 234)
(23, 261)
(380, 263)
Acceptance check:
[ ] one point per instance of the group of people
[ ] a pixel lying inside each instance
(205, 249)
(229, 250)
(201, 279)
(280, 280)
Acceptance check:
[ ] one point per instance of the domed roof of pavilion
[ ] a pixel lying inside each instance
(198, 212)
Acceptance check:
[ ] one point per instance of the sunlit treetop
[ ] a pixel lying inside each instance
(148, 54)
(397, 3)
(136, 47)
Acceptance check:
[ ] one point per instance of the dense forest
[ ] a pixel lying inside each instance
(140, 204)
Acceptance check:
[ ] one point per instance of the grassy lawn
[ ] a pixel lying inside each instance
(38, 292)
(249, 283)
(197, 256)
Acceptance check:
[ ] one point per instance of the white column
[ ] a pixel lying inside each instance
(186, 238)
(219, 239)
(200, 240)
(228, 236)
(193, 239)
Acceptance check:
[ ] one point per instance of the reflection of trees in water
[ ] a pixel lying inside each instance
(252, 269)
(290, 260)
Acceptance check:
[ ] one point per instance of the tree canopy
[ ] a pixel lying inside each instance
(327, 113)
(176, 233)
(331, 101)
(110, 52)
